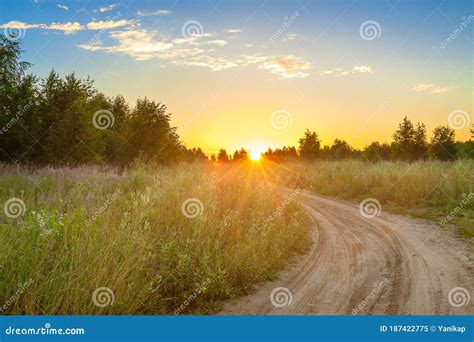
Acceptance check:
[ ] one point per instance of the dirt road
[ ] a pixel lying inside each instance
(388, 264)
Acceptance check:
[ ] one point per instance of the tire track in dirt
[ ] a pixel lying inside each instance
(389, 264)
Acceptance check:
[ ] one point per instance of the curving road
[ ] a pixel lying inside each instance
(388, 264)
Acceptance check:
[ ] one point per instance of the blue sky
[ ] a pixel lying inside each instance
(225, 67)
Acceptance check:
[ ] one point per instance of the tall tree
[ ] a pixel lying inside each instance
(340, 149)
(73, 136)
(222, 156)
(18, 104)
(420, 144)
(240, 154)
(443, 146)
(309, 145)
(151, 135)
(117, 148)
(409, 141)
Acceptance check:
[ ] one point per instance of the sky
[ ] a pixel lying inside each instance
(257, 73)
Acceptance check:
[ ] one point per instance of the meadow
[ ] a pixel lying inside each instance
(440, 191)
(183, 239)
(166, 240)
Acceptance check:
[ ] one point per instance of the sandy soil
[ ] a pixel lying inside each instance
(389, 264)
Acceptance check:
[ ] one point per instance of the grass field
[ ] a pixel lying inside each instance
(174, 240)
(443, 192)
(180, 240)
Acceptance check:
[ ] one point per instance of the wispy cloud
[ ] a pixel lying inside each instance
(69, 27)
(142, 45)
(338, 72)
(107, 8)
(202, 50)
(292, 36)
(234, 31)
(218, 42)
(214, 63)
(109, 24)
(138, 43)
(151, 13)
(199, 40)
(286, 66)
(64, 7)
(362, 69)
(430, 87)
(332, 71)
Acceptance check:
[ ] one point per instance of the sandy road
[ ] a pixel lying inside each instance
(388, 264)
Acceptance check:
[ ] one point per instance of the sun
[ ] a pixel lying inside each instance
(255, 155)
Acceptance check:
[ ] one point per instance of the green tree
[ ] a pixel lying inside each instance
(19, 126)
(465, 150)
(281, 154)
(309, 145)
(151, 136)
(403, 140)
(117, 150)
(73, 136)
(340, 149)
(443, 146)
(373, 151)
(222, 156)
(410, 141)
(420, 144)
(376, 151)
(240, 154)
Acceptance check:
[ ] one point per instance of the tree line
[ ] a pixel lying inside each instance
(67, 121)
(410, 143)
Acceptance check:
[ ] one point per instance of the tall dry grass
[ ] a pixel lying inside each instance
(87, 228)
(428, 189)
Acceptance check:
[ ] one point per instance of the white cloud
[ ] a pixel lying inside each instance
(338, 72)
(218, 42)
(331, 72)
(156, 13)
(104, 25)
(287, 66)
(430, 87)
(195, 39)
(137, 43)
(107, 8)
(67, 28)
(64, 7)
(234, 31)
(142, 44)
(362, 69)
(199, 40)
(252, 59)
(214, 63)
(292, 36)
(178, 52)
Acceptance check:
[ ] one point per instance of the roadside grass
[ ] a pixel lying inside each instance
(435, 190)
(87, 228)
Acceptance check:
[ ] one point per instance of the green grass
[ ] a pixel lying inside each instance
(86, 228)
(425, 189)
(140, 245)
